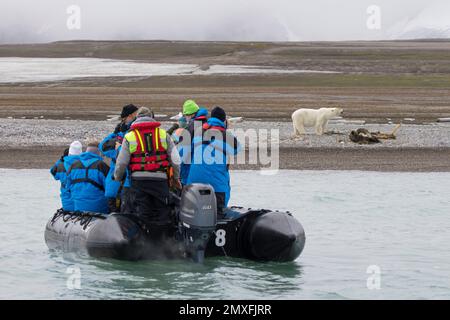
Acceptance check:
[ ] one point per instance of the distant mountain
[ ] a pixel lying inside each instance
(431, 23)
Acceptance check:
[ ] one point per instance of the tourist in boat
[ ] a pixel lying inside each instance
(86, 181)
(59, 172)
(195, 117)
(117, 191)
(149, 153)
(210, 157)
(127, 116)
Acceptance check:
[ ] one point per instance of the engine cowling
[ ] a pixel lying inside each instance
(197, 218)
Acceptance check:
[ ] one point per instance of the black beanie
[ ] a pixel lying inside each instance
(127, 110)
(219, 113)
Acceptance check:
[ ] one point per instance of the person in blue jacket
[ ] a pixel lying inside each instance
(210, 157)
(86, 181)
(59, 172)
(115, 191)
(193, 114)
(110, 148)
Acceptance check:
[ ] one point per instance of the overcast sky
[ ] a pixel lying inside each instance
(276, 20)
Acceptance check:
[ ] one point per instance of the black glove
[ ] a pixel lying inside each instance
(173, 128)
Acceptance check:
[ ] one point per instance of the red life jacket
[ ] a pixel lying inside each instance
(150, 154)
(201, 118)
(207, 126)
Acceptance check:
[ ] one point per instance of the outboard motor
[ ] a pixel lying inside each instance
(197, 218)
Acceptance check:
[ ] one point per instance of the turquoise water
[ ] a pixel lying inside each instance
(398, 223)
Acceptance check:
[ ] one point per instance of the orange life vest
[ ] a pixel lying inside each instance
(150, 150)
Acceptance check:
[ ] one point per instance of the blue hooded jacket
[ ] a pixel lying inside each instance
(202, 112)
(59, 172)
(209, 164)
(86, 182)
(108, 149)
(185, 150)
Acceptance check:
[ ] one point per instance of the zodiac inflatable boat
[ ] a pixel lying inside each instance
(260, 235)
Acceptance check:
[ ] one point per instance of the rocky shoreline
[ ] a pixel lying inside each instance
(37, 143)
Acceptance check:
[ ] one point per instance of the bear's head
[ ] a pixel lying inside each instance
(337, 111)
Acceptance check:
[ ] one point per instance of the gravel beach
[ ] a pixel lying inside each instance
(51, 133)
(30, 143)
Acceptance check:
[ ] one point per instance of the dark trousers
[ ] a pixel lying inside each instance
(126, 206)
(149, 200)
(112, 205)
(220, 200)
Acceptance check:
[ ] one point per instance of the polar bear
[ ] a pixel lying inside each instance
(317, 118)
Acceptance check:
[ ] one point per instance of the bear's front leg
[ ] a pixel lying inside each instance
(301, 130)
(296, 133)
(319, 131)
(319, 128)
(324, 127)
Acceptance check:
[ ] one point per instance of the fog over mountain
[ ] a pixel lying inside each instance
(25, 21)
(432, 22)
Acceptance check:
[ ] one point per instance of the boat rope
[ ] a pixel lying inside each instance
(84, 218)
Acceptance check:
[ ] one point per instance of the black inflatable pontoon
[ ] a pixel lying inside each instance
(260, 235)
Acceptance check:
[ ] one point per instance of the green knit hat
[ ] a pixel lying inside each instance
(190, 107)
